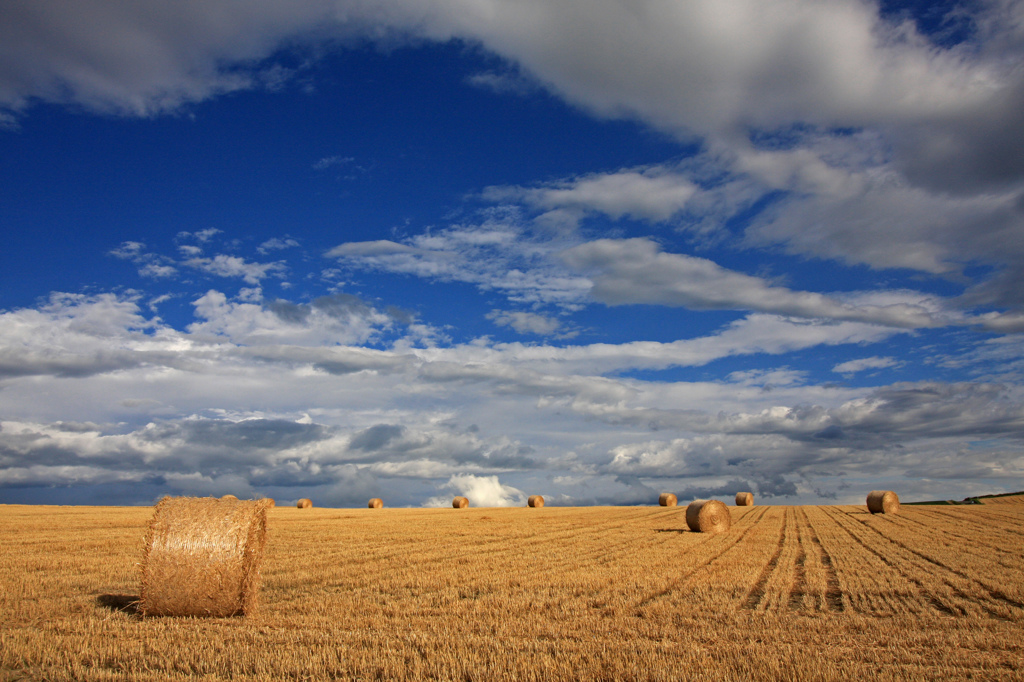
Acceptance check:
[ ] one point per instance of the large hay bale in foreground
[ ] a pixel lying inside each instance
(460, 503)
(304, 503)
(883, 502)
(708, 516)
(375, 503)
(535, 501)
(744, 499)
(667, 500)
(203, 557)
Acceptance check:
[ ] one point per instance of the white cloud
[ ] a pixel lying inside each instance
(481, 491)
(649, 193)
(277, 244)
(495, 256)
(861, 364)
(337, 319)
(707, 66)
(524, 322)
(201, 236)
(158, 270)
(235, 266)
(95, 394)
(637, 271)
(503, 83)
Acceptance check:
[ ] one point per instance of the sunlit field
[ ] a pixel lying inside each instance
(594, 593)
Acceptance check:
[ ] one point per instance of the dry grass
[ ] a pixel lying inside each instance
(808, 593)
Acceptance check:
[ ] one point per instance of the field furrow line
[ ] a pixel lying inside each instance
(756, 593)
(992, 593)
(940, 593)
(778, 590)
(833, 594)
(801, 589)
(996, 544)
(731, 541)
(878, 589)
(991, 523)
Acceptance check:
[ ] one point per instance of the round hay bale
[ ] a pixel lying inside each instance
(667, 500)
(460, 503)
(203, 557)
(228, 497)
(304, 503)
(375, 503)
(270, 502)
(883, 502)
(744, 499)
(708, 516)
(535, 501)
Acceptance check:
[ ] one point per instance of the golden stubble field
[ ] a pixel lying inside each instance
(589, 593)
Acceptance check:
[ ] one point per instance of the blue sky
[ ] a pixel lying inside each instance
(594, 251)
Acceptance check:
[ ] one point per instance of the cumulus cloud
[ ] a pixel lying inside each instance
(235, 266)
(328, 320)
(481, 491)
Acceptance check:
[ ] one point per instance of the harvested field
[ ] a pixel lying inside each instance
(598, 593)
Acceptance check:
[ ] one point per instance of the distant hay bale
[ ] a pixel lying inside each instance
(708, 516)
(228, 497)
(667, 500)
(460, 503)
(535, 501)
(304, 503)
(202, 557)
(375, 503)
(883, 502)
(270, 502)
(744, 499)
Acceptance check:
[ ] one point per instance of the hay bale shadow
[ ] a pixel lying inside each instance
(671, 530)
(122, 603)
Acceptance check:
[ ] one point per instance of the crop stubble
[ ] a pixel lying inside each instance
(531, 594)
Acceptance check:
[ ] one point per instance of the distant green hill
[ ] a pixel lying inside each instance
(980, 499)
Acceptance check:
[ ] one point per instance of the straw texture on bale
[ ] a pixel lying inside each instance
(883, 502)
(667, 500)
(744, 499)
(375, 503)
(536, 501)
(203, 557)
(304, 503)
(708, 516)
(460, 503)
